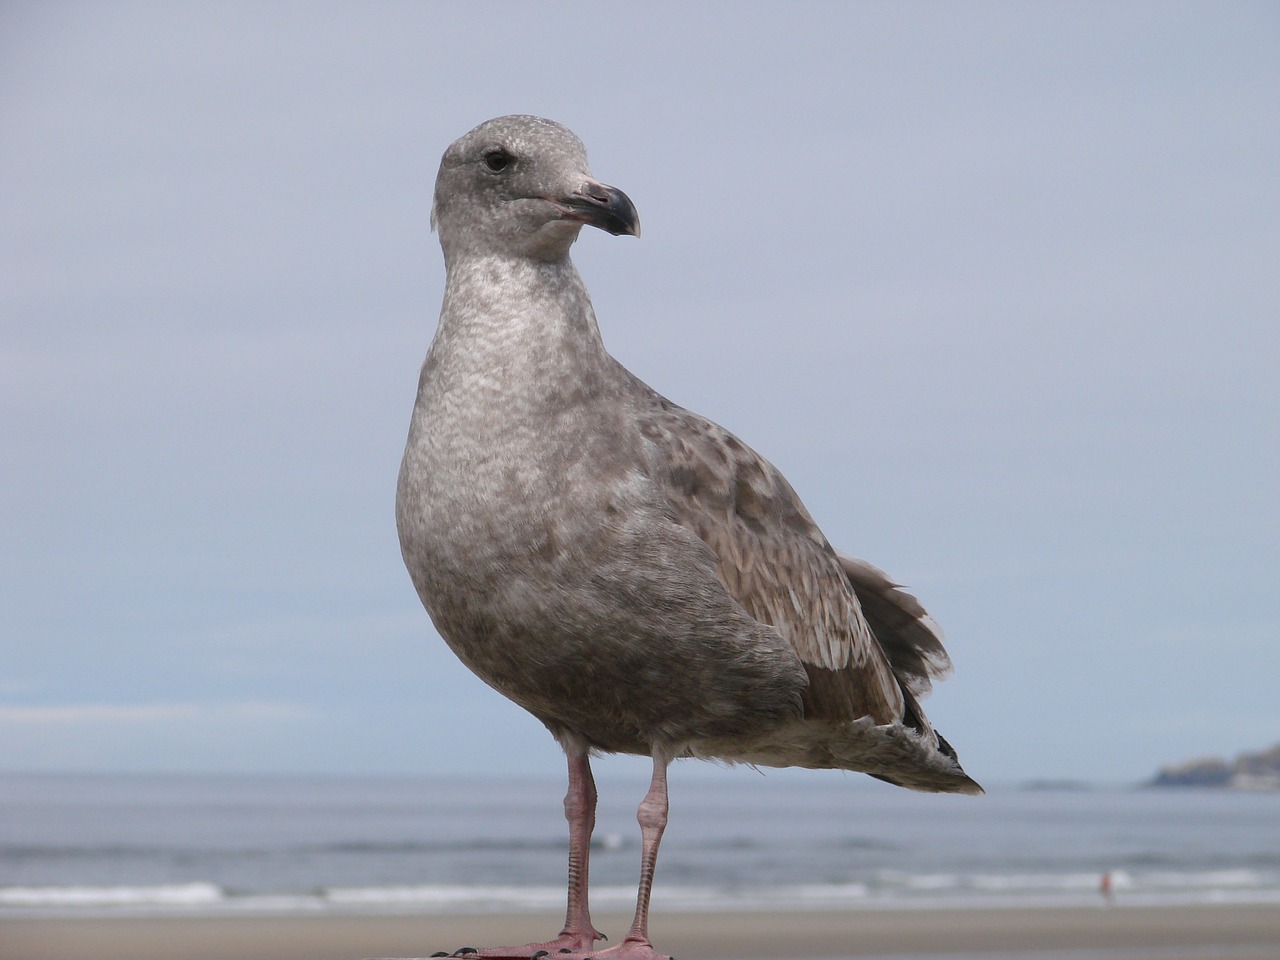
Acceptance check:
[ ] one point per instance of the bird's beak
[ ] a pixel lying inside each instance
(603, 206)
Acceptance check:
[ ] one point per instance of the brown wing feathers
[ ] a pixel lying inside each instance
(776, 563)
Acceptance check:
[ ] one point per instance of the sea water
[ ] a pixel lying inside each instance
(292, 845)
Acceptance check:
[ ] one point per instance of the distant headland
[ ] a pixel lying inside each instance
(1249, 771)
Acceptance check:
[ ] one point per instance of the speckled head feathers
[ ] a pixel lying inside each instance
(521, 185)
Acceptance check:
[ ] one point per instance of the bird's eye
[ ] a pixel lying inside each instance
(498, 160)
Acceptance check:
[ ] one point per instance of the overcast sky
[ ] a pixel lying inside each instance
(996, 286)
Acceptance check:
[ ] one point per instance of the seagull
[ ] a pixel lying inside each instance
(630, 573)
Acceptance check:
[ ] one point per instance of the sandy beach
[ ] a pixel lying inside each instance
(1230, 932)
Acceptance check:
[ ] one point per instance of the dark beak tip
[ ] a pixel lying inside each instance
(618, 215)
(627, 228)
(607, 208)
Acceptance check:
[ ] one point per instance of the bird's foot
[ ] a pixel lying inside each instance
(629, 949)
(562, 948)
(567, 946)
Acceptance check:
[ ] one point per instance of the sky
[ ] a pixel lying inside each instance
(996, 286)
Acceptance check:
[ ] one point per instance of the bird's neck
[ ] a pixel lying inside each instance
(512, 293)
(516, 325)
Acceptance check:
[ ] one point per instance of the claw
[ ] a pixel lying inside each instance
(540, 954)
(464, 952)
(440, 953)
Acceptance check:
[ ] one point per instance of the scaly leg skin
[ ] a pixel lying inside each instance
(652, 817)
(578, 935)
(574, 943)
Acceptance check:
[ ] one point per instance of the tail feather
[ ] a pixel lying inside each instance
(910, 638)
(912, 642)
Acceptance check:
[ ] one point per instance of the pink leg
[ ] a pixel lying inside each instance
(652, 816)
(580, 811)
(578, 934)
(576, 940)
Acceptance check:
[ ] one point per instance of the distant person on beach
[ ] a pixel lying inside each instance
(1104, 888)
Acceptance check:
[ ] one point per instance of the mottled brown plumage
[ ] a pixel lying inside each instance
(773, 560)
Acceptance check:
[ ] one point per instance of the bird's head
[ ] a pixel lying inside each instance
(520, 185)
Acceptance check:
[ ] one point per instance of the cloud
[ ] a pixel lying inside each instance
(152, 713)
(151, 736)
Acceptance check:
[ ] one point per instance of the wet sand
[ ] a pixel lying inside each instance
(1120, 933)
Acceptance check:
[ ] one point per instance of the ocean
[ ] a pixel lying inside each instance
(157, 845)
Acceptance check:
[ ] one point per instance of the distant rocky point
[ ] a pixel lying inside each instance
(1249, 771)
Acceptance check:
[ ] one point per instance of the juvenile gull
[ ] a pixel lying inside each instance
(630, 573)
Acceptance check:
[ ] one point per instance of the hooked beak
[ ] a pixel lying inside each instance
(603, 206)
